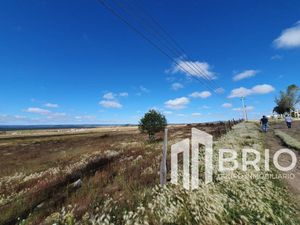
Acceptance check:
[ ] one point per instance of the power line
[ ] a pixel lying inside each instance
(181, 51)
(119, 16)
(192, 67)
(160, 31)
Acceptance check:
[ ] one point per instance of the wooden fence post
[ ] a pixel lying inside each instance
(163, 164)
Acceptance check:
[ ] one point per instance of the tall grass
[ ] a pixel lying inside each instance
(287, 139)
(250, 199)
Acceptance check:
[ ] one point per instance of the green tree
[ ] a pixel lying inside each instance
(287, 100)
(151, 123)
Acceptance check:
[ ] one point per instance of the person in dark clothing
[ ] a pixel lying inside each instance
(264, 123)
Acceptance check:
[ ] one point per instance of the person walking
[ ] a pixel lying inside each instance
(264, 123)
(288, 120)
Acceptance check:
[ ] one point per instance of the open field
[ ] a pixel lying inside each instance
(38, 168)
(110, 176)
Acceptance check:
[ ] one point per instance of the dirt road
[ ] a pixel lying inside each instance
(273, 143)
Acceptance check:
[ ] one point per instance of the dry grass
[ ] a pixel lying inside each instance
(41, 163)
(288, 140)
(236, 201)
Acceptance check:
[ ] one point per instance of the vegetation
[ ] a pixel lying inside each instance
(238, 198)
(37, 171)
(287, 100)
(152, 122)
(288, 140)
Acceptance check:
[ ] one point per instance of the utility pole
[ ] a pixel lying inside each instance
(244, 109)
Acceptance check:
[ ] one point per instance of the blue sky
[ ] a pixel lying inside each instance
(65, 62)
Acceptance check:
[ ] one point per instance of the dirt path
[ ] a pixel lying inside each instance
(273, 143)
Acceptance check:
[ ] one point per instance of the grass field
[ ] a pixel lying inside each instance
(38, 168)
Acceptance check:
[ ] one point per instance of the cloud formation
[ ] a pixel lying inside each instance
(219, 90)
(227, 105)
(110, 100)
(276, 57)
(177, 103)
(258, 89)
(195, 69)
(289, 38)
(196, 114)
(110, 104)
(167, 112)
(51, 105)
(123, 94)
(109, 96)
(203, 94)
(245, 74)
(12, 119)
(143, 89)
(176, 86)
(38, 111)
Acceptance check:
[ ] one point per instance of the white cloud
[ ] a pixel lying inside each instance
(203, 94)
(219, 90)
(245, 74)
(248, 108)
(227, 105)
(195, 69)
(110, 104)
(109, 96)
(262, 89)
(196, 114)
(110, 99)
(206, 107)
(38, 111)
(177, 86)
(51, 105)
(167, 112)
(123, 94)
(143, 89)
(11, 119)
(178, 103)
(258, 89)
(276, 57)
(289, 38)
(112, 96)
(48, 114)
(240, 92)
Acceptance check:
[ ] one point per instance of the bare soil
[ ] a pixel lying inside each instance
(273, 143)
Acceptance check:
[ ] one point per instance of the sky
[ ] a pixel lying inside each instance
(74, 62)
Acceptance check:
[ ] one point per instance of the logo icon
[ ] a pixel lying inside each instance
(191, 179)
